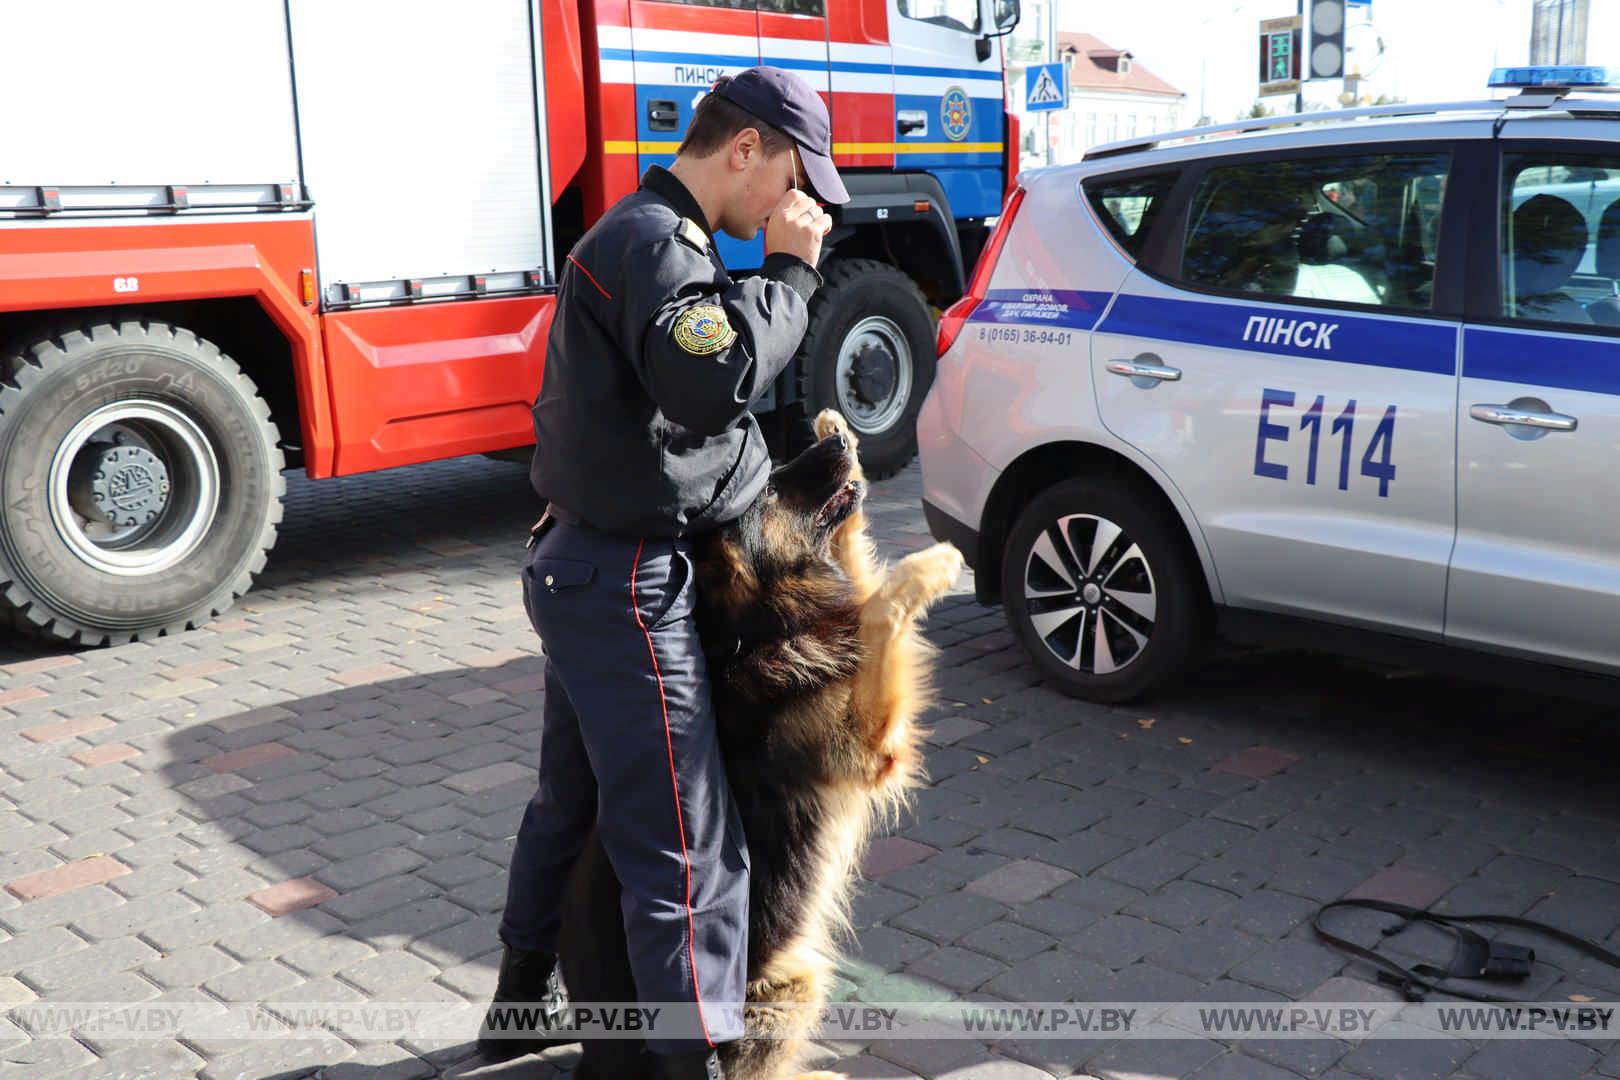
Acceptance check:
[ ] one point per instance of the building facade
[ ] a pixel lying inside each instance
(1111, 97)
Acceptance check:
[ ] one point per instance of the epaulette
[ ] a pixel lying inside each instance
(693, 234)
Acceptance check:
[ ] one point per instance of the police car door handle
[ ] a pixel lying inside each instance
(1507, 414)
(1141, 369)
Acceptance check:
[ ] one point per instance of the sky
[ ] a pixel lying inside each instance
(1434, 50)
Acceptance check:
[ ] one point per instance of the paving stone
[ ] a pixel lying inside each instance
(1054, 975)
(891, 949)
(1414, 888)
(380, 1062)
(75, 875)
(1414, 1059)
(1118, 940)
(1268, 914)
(1257, 762)
(1138, 1059)
(188, 967)
(874, 904)
(889, 853)
(326, 955)
(1289, 967)
(924, 880)
(960, 969)
(203, 927)
(1008, 941)
(1206, 952)
(60, 909)
(1235, 1066)
(946, 918)
(82, 965)
(132, 916)
(384, 971)
(1511, 1059)
(252, 982)
(1181, 904)
(23, 949)
(1020, 882)
(283, 1057)
(354, 873)
(147, 1060)
(1317, 877)
(1301, 1057)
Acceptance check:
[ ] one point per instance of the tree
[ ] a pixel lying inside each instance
(1257, 111)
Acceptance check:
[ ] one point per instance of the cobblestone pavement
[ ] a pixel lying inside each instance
(313, 799)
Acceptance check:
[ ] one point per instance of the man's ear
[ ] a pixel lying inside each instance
(745, 146)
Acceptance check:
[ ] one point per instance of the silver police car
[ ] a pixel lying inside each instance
(1362, 369)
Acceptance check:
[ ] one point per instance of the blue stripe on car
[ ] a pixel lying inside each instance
(1404, 344)
(1567, 362)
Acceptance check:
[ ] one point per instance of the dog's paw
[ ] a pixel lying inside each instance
(926, 575)
(831, 422)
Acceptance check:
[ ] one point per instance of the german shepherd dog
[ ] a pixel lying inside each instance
(819, 674)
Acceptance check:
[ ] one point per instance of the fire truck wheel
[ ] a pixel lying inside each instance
(869, 353)
(141, 483)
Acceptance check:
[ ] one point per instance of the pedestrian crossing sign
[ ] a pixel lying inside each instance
(1045, 88)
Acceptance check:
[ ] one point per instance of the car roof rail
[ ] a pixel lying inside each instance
(1268, 123)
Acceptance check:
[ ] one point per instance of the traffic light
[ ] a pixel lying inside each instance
(1327, 39)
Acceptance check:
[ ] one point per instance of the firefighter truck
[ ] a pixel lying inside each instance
(237, 238)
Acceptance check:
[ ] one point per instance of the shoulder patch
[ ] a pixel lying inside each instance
(702, 330)
(693, 234)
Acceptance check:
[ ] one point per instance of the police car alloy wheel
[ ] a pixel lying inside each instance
(1101, 591)
(143, 483)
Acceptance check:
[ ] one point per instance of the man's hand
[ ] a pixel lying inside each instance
(797, 226)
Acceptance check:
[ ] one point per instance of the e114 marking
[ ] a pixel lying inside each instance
(1377, 462)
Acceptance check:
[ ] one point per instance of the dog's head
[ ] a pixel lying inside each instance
(791, 524)
(770, 575)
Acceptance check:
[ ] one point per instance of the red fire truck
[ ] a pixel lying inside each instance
(241, 237)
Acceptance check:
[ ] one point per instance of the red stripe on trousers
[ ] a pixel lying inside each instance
(680, 823)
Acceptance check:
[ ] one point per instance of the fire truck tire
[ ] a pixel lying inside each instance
(869, 353)
(140, 483)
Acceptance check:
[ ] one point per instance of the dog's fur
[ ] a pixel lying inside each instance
(819, 675)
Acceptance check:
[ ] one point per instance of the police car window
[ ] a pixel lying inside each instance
(955, 14)
(1129, 207)
(1561, 239)
(1360, 230)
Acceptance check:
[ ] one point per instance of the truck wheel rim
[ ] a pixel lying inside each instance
(873, 376)
(134, 487)
(1090, 594)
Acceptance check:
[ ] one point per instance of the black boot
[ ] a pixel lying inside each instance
(531, 979)
(696, 1065)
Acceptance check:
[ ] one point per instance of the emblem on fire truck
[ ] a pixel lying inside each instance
(956, 114)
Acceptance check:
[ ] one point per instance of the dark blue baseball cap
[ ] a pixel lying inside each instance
(787, 103)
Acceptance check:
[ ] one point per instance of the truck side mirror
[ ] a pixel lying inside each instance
(1005, 15)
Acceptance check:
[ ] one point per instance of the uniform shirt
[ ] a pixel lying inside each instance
(655, 354)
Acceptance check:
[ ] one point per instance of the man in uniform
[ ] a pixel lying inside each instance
(644, 440)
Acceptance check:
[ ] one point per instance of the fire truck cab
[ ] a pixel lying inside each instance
(236, 238)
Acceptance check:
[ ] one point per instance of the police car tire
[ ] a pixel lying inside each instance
(1177, 634)
(50, 593)
(852, 290)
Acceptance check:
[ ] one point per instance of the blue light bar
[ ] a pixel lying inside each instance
(1553, 75)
